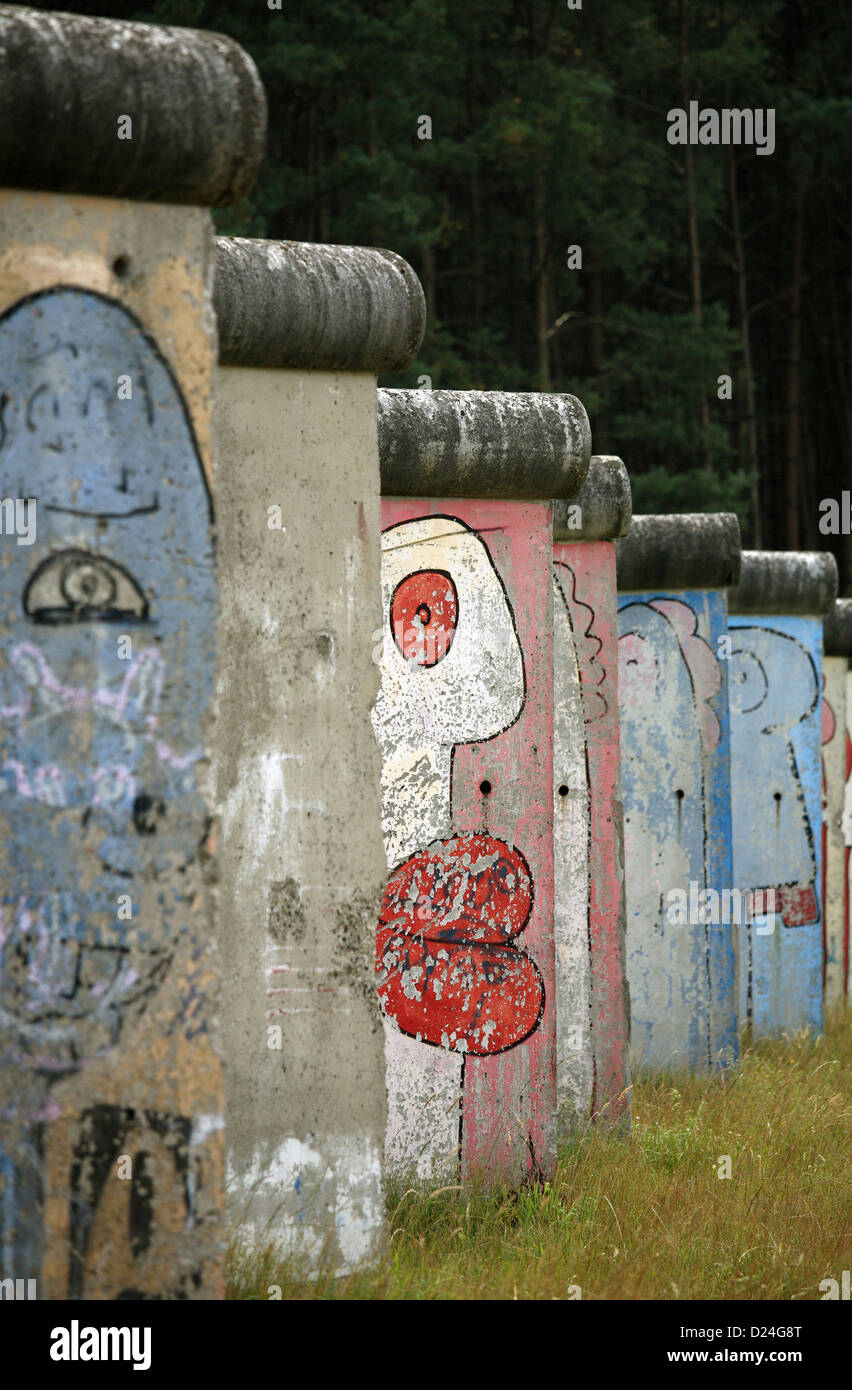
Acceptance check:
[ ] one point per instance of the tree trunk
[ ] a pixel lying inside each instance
(748, 371)
(794, 377)
(475, 204)
(596, 346)
(846, 577)
(428, 256)
(542, 276)
(694, 233)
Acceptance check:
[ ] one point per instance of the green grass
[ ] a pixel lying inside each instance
(645, 1217)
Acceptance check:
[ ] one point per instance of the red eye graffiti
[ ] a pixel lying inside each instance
(448, 971)
(424, 614)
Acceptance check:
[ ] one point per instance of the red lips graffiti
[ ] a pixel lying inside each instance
(448, 971)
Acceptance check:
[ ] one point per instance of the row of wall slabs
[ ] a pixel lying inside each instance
(493, 931)
(722, 726)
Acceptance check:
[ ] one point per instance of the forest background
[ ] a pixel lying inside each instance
(549, 132)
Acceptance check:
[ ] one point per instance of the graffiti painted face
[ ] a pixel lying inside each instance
(448, 970)
(663, 712)
(451, 662)
(105, 667)
(773, 687)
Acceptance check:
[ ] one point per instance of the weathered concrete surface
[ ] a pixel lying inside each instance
(575, 1064)
(697, 551)
(488, 444)
(837, 644)
(837, 629)
(775, 682)
(146, 255)
(834, 869)
(592, 999)
(196, 103)
(781, 581)
(111, 1106)
(464, 719)
(298, 774)
(330, 308)
(603, 508)
(672, 692)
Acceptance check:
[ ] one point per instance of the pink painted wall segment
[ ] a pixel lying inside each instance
(465, 947)
(592, 1004)
(464, 720)
(833, 849)
(837, 769)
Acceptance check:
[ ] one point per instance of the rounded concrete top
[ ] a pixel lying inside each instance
(698, 550)
(482, 444)
(785, 582)
(837, 629)
(332, 308)
(196, 104)
(604, 502)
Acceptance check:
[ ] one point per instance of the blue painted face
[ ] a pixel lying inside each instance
(106, 670)
(664, 827)
(773, 687)
(659, 713)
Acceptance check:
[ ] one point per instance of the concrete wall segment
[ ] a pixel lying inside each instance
(196, 103)
(328, 308)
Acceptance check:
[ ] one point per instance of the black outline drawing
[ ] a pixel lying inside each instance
(445, 574)
(104, 1132)
(84, 292)
(80, 613)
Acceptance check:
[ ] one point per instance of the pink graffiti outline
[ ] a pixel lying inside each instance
(78, 699)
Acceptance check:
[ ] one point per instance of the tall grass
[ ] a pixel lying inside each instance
(645, 1217)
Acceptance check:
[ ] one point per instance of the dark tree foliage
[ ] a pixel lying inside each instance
(549, 132)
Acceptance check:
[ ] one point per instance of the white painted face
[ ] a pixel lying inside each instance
(451, 670)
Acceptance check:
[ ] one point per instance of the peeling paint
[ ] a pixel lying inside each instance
(672, 694)
(464, 946)
(106, 682)
(834, 904)
(775, 694)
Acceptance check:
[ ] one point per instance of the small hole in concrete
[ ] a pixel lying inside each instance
(563, 790)
(679, 794)
(777, 796)
(485, 787)
(121, 267)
